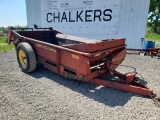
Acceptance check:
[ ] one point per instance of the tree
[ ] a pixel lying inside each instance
(2, 30)
(154, 16)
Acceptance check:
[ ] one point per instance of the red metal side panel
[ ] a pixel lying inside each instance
(97, 46)
(76, 62)
(48, 52)
(117, 59)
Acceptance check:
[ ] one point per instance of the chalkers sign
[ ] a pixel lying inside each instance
(81, 16)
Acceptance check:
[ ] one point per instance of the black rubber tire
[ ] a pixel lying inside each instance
(30, 58)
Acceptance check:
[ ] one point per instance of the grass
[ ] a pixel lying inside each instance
(4, 47)
(3, 39)
(153, 37)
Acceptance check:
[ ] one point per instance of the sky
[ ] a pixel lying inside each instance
(12, 13)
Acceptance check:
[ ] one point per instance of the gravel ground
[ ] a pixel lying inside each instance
(43, 95)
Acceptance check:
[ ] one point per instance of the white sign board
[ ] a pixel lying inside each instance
(82, 16)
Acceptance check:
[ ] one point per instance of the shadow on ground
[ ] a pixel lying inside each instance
(105, 95)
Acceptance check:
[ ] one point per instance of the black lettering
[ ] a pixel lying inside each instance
(87, 16)
(58, 17)
(107, 15)
(64, 17)
(97, 14)
(79, 16)
(70, 18)
(48, 17)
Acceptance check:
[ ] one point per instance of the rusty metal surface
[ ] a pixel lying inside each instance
(98, 46)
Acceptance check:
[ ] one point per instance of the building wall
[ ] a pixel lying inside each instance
(133, 20)
(33, 8)
(131, 23)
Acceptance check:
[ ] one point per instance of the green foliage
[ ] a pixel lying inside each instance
(3, 30)
(154, 16)
(4, 46)
(150, 35)
(3, 39)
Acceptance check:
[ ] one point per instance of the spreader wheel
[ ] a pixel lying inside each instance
(26, 57)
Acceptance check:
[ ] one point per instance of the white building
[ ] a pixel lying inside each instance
(97, 19)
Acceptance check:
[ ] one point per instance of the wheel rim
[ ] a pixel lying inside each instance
(22, 58)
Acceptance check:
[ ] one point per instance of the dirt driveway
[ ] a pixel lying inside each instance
(43, 95)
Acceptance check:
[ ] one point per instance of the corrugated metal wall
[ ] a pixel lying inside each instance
(132, 23)
(33, 9)
(133, 20)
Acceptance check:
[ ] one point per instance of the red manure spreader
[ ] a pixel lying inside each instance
(74, 57)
